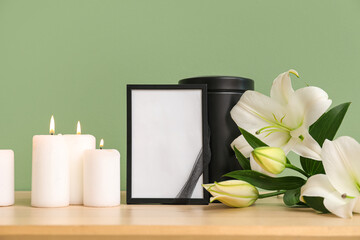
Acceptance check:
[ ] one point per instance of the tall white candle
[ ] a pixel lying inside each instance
(50, 170)
(101, 177)
(76, 146)
(6, 177)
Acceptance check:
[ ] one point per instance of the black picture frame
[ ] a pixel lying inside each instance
(205, 141)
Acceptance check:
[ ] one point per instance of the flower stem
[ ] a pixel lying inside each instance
(271, 194)
(297, 169)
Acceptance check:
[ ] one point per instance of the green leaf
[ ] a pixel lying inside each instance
(243, 161)
(324, 128)
(316, 203)
(328, 124)
(312, 167)
(253, 141)
(266, 182)
(292, 197)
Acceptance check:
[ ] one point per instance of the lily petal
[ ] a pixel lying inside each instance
(357, 205)
(233, 201)
(320, 186)
(256, 167)
(289, 145)
(342, 165)
(281, 88)
(305, 146)
(255, 110)
(236, 188)
(242, 145)
(307, 105)
(207, 186)
(276, 139)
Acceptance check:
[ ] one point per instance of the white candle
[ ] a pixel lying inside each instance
(6, 177)
(77, 143)
(101, 177)
(50, 170)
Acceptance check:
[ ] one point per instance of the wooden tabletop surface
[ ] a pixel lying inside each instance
(267, 219)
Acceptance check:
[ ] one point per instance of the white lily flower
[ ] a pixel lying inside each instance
(283, 119)
(233, 193)
(340, 187)
(337, 203)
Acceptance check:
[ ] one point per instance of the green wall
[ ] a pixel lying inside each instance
(74, 58)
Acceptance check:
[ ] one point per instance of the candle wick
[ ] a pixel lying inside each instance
(100, 148)
(51, 133)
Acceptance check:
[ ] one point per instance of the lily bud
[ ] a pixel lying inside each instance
(233, 193)
(271, 159)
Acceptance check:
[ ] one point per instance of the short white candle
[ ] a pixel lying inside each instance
(77, 143)
(101, 177)
(6, 177)
(50, 170)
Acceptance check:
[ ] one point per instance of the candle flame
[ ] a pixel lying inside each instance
(101, 143)
(52, 125)
(78, 128)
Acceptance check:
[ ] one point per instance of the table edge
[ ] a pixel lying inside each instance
(173, 230)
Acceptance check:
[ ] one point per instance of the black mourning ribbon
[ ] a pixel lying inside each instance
(202, 160)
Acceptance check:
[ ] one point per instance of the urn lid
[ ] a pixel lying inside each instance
(222, 83)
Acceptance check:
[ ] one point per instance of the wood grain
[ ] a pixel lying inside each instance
(268, 219)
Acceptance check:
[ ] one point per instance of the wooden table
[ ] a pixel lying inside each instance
(269, 219)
